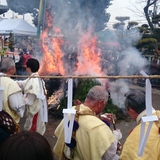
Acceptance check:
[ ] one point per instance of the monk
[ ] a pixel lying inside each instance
(92, 139)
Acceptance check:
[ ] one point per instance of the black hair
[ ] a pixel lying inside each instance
(33, 64)
(24, 50)
(135, 99)
(26, 145)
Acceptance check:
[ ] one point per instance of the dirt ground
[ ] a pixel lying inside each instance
(124, 126)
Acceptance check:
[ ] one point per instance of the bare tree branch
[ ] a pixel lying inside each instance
(146, 9)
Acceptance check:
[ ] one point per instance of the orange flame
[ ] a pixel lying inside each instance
(89, 57)
(52, 58)
(89, 60)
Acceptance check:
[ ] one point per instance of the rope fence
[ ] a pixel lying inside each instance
(85, 77)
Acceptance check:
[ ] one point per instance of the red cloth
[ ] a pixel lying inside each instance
(34, 123)
(26, 57)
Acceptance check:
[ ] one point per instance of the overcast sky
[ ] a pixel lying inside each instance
(126, 8)
(118, 8)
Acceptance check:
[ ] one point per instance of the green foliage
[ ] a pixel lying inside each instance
(11, 42)
(132, 24)
(145, 26)
(147, 41)
(84, 85)
(156, 33)
(2, 52)
(121, 19)
(148, 45)
(111, 108)
(155, 19)
(147, 36)
(118, 25)
(142, 29)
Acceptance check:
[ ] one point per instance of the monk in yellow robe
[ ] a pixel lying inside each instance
(136, 108)
(93, 139)
(12, 102)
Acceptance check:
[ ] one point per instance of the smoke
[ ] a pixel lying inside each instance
(71, 18)
(126, 61)
(132, 62)
(75, 22)
(117, 89)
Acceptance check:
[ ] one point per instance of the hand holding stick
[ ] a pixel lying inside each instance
(110, 118)
(113, 122)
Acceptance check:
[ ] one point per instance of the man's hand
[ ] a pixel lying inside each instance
(119, 147)
(109, 117)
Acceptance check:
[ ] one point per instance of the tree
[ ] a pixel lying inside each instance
(120, 25)
(68, 13)
(146, 11)
(3, 9)
(132, 24)
(22, 7)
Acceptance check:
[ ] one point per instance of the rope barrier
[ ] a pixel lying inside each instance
(86, 77)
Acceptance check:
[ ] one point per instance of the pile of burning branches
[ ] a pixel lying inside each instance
(55, 98)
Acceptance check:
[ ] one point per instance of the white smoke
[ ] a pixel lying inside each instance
(125, 60)
(117, 90)
(129, 62)
(132, 62)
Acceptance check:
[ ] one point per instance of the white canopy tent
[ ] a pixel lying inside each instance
(17, 26)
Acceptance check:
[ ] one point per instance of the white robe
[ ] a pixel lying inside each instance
(31, 89)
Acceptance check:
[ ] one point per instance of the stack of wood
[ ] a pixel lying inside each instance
(55, 98)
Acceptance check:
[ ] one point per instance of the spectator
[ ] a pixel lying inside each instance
(26, 145)
(19, 65)
(7, 126)
(26, 56)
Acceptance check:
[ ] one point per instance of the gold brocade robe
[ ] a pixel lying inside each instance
(93, 137)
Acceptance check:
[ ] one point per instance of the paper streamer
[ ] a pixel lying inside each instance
(42, 102)
(69, 113)
(70, 94)
(149, 118)
(1, 92)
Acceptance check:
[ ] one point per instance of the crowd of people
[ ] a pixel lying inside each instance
(92, 138)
